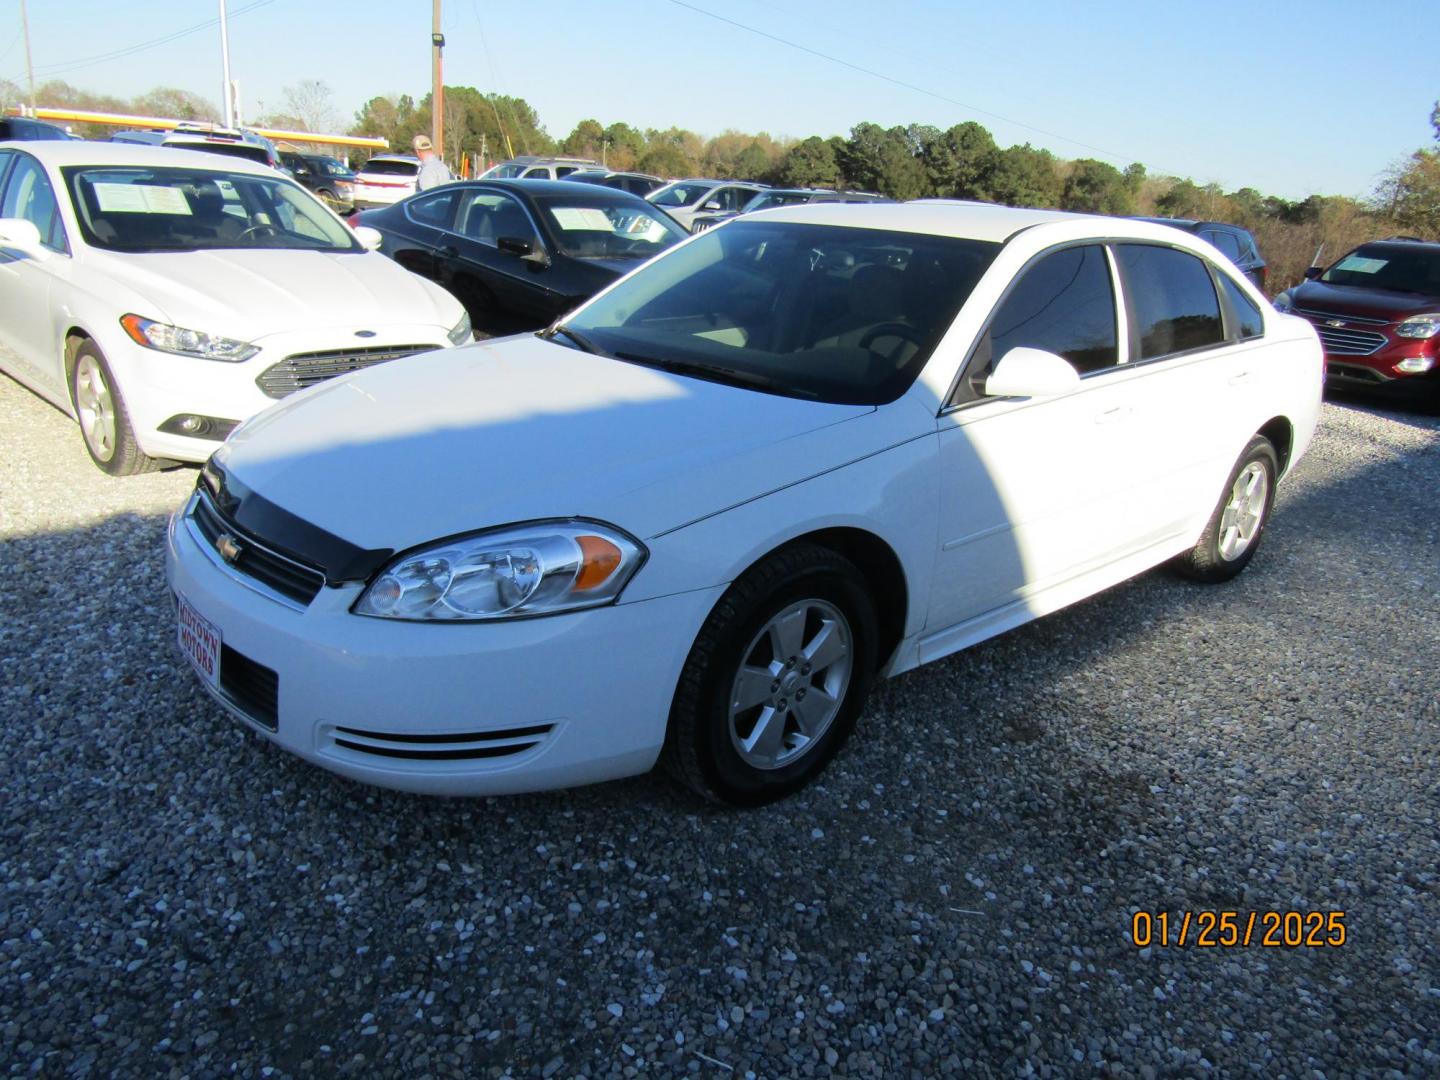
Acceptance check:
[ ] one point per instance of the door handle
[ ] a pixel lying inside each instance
(446, 252)
(1109, 416)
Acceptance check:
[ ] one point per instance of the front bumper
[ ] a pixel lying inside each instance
(452, 709)
(158, 386)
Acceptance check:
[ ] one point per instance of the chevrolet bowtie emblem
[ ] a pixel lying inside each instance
(1334, 322)
(228, 547)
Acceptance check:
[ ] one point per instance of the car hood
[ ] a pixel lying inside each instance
(250, 293)
(1366, 303)
(518, 429)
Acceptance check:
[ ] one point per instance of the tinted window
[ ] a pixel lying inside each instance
(1383, 266)
(1065, 304)
(1226, 242)
(1172, 300)
(1248, 323)
(391, 168)
(839, 314)
(487, 216)
(437, 210)
(29, 195)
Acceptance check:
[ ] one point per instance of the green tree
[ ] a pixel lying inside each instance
(587, 140)
(876, 159)
(809, 163)
(1025, 176)
(1095, 187)
(624, 145)
(666, 159)
(960, 161)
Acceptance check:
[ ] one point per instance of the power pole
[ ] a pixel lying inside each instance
(226, 92)
(437, 88)
(29, 65)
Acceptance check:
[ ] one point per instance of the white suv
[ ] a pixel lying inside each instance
(386, 179)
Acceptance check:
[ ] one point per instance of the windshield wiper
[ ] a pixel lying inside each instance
(713, 373)
(583, 343)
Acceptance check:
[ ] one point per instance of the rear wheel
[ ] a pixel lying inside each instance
(1233, 533)
(104, 422)
(776, 679)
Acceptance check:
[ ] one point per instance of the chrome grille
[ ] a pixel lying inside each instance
(1343, 341)
(302, 370)
(275, 571)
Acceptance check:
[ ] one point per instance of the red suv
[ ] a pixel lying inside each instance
(1377, 311)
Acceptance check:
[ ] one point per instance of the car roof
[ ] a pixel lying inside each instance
(110, 153)
(973, 221)
(1398, 243)
(535, 187)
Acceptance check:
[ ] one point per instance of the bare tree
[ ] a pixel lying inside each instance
(309, 102)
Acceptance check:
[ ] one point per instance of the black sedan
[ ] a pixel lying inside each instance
(520, 253)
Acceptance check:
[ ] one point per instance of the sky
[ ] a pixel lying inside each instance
(1289, 99)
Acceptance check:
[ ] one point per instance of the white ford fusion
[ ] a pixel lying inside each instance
(694, 520)
(161, 296)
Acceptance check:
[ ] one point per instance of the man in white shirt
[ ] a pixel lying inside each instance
(433, 172)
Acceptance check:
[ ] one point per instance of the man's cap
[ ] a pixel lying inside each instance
(421, 142)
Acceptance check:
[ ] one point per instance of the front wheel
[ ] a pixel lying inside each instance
(1233, 533)
(775, 680)
(104, 421)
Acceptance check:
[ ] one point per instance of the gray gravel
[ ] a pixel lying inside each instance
(179, 898)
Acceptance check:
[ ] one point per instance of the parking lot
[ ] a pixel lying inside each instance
(954, 897)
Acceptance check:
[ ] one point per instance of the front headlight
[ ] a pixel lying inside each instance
(536, 569)
(182, 342)
(1420, 326)
(1285, 302)
(462, 332)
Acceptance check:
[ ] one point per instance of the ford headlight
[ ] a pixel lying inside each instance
(535, 569)
(462, 332)
(182, 342)
(1420, 326)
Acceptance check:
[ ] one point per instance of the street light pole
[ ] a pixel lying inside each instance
(29, 65)
(225, 65)
(437, 89)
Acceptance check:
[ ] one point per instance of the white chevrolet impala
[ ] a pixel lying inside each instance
(694, 520)
(161, 296)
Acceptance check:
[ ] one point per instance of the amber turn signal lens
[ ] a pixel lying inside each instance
(599, 559)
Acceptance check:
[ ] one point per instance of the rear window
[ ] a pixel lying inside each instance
(391, 168)
(247, 151)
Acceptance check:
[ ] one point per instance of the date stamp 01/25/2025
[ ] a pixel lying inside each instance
(1228, 929)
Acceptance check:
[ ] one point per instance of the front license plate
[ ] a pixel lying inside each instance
(199, 640)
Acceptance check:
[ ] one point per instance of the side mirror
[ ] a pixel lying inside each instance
(22, 235)
(713, 204)
(1313, 272)
(1024, 372)
(525, 249)
(370, 239)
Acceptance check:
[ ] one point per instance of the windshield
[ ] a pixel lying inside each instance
(122, 208)
(391, 168)
(814, 311)
(608, 230)
(1375, 266)
(768, 200)
(680, 194)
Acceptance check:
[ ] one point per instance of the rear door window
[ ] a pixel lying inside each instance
(1173, 305)
(1245, 316)
(29, 195)
(1226, 242)
(437, 210)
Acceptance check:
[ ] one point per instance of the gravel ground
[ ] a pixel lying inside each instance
(180, 898)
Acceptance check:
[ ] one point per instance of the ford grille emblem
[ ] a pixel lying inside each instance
(364, 333)
(228, 547)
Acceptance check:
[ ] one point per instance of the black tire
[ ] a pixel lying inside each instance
(1213, 558)
(699, 749)
(91, 385)
(330, 199)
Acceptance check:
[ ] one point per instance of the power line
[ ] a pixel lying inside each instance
(900, 82)
(65, 67)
